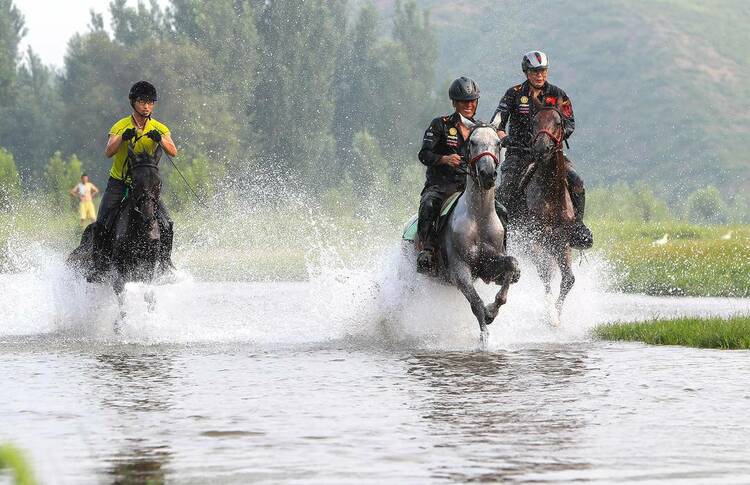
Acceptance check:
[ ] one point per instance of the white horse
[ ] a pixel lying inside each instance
(472, 244)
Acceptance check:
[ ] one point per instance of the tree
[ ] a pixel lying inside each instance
(706, 206)
(11, 32)
(60, 176)
(299, 39)
(10, 182)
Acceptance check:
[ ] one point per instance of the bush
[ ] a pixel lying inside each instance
(59, 177)
(10, 182)
(705, 206)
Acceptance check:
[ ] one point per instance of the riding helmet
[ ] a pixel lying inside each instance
(142, 90)
(463, 89)
(534, 60)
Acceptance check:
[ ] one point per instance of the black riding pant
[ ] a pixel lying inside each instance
(111, 200)
(430, 203)
(112, 197)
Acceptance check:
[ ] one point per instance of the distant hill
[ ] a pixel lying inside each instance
(660, 88)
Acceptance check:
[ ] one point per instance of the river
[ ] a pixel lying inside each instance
(358, 376)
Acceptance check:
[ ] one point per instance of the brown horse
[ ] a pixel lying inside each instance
(549, 209)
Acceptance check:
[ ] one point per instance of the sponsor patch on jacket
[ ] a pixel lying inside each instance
(550, 100)
(452, 131)
(523, 108)
(524, 99)
(567, 109)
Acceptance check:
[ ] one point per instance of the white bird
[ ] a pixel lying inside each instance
(661, 242)
(727, 236)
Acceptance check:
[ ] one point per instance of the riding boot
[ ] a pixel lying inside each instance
(580, 235)
(98, 255)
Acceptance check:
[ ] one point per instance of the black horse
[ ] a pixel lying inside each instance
(136, 237)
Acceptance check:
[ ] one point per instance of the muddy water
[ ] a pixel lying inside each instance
(359, 377)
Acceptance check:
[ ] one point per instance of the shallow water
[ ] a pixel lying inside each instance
(359, 376)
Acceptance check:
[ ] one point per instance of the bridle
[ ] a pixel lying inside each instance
(558, 140)
(473, 171)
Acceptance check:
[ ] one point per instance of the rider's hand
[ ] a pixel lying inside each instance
(154, 135)
(454, 160)
(501, 134)
(128, 134)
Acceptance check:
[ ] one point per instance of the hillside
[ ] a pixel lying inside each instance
(659, 87)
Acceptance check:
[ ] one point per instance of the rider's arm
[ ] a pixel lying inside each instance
(430, 140)
(168, 145)
(502, 113)
(113, 144)
(569, 121)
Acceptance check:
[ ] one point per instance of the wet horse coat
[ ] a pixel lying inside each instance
(472, 244)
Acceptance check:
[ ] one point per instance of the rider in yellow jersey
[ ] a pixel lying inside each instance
(142, 133)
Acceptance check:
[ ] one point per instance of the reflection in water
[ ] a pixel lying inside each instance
(136, 385)
(507, 412)
(137, 464)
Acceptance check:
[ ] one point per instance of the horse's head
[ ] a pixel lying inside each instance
(483, 153)
(548, 131)
(146, 188)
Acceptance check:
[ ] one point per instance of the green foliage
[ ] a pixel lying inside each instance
(12, 459)
(625, 203)
(11, 32)
(705, 206)
(204, 177)
(695, 260)
(59, 177)
(709, 333)
(10, 182)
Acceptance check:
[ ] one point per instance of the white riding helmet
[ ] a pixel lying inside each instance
(534, 60)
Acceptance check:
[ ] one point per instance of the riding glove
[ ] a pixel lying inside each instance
(128, 134)
(154, 135)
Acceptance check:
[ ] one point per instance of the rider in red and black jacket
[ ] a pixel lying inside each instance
(516, 110)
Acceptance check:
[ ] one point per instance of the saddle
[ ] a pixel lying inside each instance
(410, 230)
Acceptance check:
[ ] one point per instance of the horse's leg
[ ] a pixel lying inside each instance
(543, 262)
(464, 283)
(564, 259)
(509, 273)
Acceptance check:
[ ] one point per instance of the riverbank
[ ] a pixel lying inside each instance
(239, 242)
(708, 333)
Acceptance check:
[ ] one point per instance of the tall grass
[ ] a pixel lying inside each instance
(13, 461)
(711, 333)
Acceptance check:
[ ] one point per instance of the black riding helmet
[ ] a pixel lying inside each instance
(463, 89)
(142, 90)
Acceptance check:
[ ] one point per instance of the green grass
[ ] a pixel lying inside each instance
(258, 244)
(13, 461)
(696, 261)
(707, 333)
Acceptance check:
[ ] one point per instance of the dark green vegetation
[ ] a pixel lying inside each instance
(306, 91)
(13, 461)
(713, 333)
(654, 83)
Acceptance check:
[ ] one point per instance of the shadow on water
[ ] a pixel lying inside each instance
(136, 384)
(507, 412)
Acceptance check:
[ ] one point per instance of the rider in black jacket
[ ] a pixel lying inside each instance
(443, 149)
(516, 110)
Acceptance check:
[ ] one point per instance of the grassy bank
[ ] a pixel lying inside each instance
(709, 333)
(13, 461)
(693, 260)
(257, 242)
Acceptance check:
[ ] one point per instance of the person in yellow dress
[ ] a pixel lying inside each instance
(85, 193)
